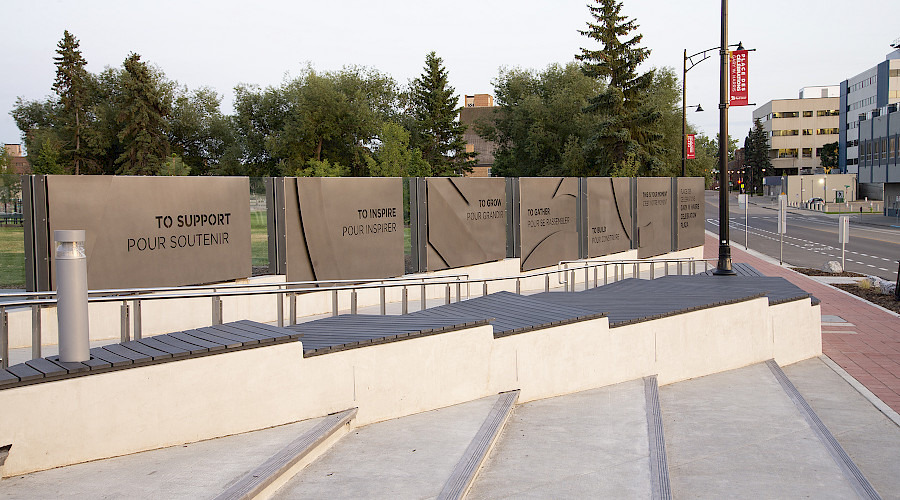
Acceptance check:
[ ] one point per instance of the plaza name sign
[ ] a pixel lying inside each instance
(466, 221)
(155, 231)
(547, 214)
(343, 228)
(691, 220)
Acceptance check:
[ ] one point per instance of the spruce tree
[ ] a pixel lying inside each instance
(143, 109)
(72, 87)
(434, 109)
(627, 138)
(756, 154)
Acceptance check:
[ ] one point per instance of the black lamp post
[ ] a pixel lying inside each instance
(723, 268)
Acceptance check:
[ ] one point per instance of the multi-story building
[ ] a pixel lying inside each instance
(879, 154)
(872, 89)
(798, 129)
(18, 160)
(478, 108)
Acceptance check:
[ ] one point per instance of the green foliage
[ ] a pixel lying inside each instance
(540, 128)
(435, 113)
(144, 105)
(829, 156)
(394, 157)
(174, 166)
(627, 132)
(317, 168)
(47, 160)
(72, 85)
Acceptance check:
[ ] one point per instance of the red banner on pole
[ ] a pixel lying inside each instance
(737, 78)
(690, 147)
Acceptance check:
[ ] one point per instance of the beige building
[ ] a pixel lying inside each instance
(18, 160)
(478, 108)
(798, 129)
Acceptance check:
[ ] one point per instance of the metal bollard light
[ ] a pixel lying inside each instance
(71, 296)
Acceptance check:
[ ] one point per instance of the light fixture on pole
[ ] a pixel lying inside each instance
(702, 56)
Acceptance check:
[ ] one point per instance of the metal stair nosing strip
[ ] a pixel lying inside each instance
(466, 468)
(856, 478)
(256, 481)
(659, 466)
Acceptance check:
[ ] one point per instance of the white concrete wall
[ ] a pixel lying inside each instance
(97, 416)
(170, 315)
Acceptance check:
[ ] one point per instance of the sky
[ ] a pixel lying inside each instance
(223, 43)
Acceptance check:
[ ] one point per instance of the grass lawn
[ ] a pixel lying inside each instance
(259, 239)
(12, 257)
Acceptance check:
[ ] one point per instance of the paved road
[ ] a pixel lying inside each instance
(811, 238)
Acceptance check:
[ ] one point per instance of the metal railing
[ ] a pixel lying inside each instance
(131, 300)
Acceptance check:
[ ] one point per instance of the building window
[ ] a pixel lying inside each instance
(786, 114)
(819, 152)
(807, 152)
(787, 153)
(884, 148)
(778, 133)
(807, 131)
(827, 112)
(807, 114)
(826, 131)
(892, 149)
(894, 72)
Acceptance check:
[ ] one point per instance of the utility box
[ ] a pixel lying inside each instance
(844, 229)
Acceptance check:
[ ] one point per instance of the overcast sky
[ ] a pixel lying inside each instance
(223, 43)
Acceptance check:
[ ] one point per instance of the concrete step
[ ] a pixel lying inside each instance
(742, 434)
(591, 444)
(409, 457)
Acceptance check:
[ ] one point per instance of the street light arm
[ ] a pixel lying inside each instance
(705, 55)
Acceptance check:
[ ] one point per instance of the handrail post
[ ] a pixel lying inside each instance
(279, 307)
(546, 282)
(405, 301)
(353, 306)
(36, 331)
(334, 302)
(4, 338)
(652, 269)
(136, 314)
(216, 310)
(518, 286)
(573, 280)
(615, 272)
(586, 278)
(565, 281)
(124, 333)
(382, 300)
(447, 294)
(458, 291)
(292, 309)
(484, 291)
(596, 274)
(605, 272)
(636, 272)
(422, 298)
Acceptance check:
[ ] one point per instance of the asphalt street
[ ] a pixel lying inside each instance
(811, 238)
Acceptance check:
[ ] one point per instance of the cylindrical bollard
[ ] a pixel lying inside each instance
(71, 296)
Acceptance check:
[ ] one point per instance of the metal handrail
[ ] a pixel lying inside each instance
(281, 289)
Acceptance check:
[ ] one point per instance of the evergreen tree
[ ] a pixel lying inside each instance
(143, 108)
(435, 111)
(829, 156)
(627, 139)
(72, 85)
(756, 155)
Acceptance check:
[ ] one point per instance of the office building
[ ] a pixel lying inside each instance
(798, 129)
(879, 154)
(478, 108)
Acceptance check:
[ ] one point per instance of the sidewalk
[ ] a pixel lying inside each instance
(863, 339)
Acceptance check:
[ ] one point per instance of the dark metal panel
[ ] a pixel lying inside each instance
(37, 239)
(466, 221)
(155, 231)
(581, 218)
(352, 227)
(654, 216)
(548, 231)
(418, 223)
(275, 224)
(609, 221)
(513, 214)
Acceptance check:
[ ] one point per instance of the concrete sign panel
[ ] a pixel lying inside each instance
(547, 229)
(654, 216)
(155, 231)
(466, 221)
(608, 215)
(343, 228)
(690, 225)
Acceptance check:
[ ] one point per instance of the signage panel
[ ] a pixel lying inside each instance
(547, 229)
(737, 79)
(690, 228)
(691, 147)
(466, 221)
(155, 231)
(608, 215)
(343, 228)
(654, 216)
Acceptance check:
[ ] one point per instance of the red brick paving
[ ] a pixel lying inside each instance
(872, 355)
